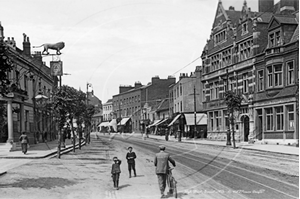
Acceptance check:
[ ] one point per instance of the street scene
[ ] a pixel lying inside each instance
(203, 170)
(149, 99)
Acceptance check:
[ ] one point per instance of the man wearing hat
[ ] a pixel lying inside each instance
(161, 161)
(130, 156)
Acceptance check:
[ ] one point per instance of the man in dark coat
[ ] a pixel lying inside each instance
(130, 156)
(24, 142)
(161, 161)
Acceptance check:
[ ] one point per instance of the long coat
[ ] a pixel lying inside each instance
(161, 161)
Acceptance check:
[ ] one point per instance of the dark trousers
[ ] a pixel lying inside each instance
(116, 177)
(24, 147)
(131, 166)
(162, 179)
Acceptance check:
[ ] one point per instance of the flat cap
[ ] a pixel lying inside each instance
(162, 147)
(129, 147)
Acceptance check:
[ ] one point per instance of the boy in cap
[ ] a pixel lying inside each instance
(161, 161)
(130, 156)
(115, 172)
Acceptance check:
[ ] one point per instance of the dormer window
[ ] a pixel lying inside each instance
(244, 28)
(275, 39)
(220, 37)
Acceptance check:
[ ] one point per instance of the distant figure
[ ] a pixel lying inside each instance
(24, 142)
(161, 161)
(130, 156)
(115, 172)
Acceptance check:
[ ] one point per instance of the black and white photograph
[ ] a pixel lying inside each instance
(149, 99)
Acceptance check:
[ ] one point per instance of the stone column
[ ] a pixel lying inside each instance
(10, 122)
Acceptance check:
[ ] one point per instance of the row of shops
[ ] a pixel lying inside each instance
(188, 124)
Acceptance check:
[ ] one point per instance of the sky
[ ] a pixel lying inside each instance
(116, 42)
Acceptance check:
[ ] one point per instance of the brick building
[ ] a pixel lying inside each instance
(277, 69)
(135, 104)
(230, 61)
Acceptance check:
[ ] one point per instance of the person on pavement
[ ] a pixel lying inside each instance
(24, 142)
(161, 161)
(115, 172)
(130, 156)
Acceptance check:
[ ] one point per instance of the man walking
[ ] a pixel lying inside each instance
(24, 142)
(130, 156)
(161, 161)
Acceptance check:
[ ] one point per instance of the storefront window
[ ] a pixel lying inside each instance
(279, 118)
(269, 119)
(290, 117)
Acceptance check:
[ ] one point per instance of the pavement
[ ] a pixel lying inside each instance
(35, 151)
(43, 150)
(281, 149)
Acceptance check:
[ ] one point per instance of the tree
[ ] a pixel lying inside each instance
(6, 65)
(233, 102)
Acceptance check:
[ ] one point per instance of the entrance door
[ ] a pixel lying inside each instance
(259, 128)
(246, 128)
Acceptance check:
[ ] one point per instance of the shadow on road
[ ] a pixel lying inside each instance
(123, 186)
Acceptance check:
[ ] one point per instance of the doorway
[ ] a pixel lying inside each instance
(246, 127)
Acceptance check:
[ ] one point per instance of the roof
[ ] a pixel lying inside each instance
(163, 105)
(286, 19)
(234, 16)
(295, 36)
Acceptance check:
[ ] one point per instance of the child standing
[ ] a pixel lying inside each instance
(130, 160)
(115, 172)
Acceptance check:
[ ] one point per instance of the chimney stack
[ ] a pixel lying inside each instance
(26, 45)
(1, 32)
(265, 5)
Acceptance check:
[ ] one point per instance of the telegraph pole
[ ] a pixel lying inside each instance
(195, 113)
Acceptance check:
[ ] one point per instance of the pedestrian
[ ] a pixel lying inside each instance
(115, 172)
(130, 156)
(24, 142)
(161, 161)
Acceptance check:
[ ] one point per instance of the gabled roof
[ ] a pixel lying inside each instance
(295, 36)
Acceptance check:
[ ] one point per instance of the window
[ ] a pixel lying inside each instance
(216, 95)
(220, 37)
(245, 83)
(246, 50)
(290, 73)
(274, 75)
(231, 84)
(290, 117)
(269, 119)
(211, 117)
(218, 119)
(215, 62)
(226, 119)
(180, 86)
(226, 58)
(203, 92)
(275, 38)
(278, 75)
(17, 77)
(211, 88)
(279, 118)
(181, 106)
(270, 76)
(260, 85)
(25, 83)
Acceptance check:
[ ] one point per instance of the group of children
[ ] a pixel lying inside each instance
(116, 170)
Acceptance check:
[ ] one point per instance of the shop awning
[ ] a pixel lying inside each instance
(162, 121)
(174, 120)
(201, 119)
(104, 124)
(112, 122)
(124, 121)
(154, 123)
